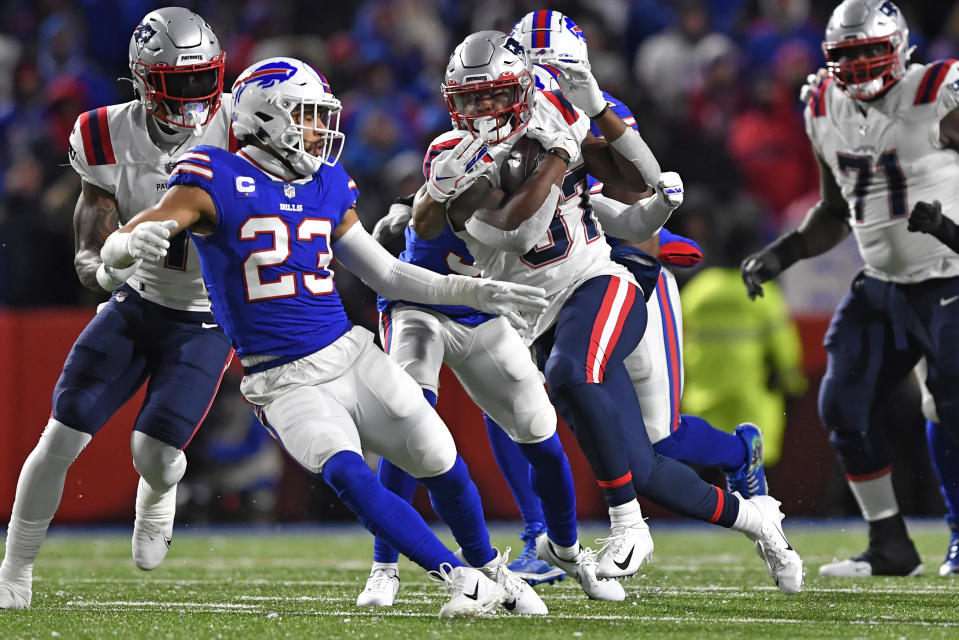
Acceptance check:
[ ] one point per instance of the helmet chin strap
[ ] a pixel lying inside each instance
(164, 135)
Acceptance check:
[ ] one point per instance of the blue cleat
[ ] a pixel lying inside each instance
(950, 566)
(528, 566)
(750, 479)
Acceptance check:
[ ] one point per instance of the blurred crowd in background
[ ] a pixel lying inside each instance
(713, 85)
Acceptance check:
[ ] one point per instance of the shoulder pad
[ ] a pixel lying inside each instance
(94, 130)
(932, 81)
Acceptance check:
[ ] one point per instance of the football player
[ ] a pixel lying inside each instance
(548, 235)
(885, 134)
(157, 324)
(267, 222)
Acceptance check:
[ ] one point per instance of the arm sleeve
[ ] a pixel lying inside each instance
(525, 236)
(362, 255)
(637, 222)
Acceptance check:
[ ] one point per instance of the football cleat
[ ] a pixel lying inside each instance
(890, 553)
(950, 566)
(151, 541)
(520, 597)
(381, 588)
(622, 553)
(529, 566)
(782, 561)
(750, 479)
(15, 594)
(471, 592)
(583, 568)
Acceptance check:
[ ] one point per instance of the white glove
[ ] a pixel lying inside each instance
(510, 300)
(813, 80)
(148, 241)
(110, 278)
(579, 86)
(556, 140)
(670, 189)
(455, 170)
(393, 223)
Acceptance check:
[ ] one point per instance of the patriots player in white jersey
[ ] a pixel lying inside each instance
(157, 324)
(885, 134)
(268, 221)
(596, 315)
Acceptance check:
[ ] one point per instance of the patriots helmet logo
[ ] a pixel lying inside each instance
(143, 34)
(265, 76)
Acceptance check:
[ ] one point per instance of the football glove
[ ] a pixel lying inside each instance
(510, 300)
(579, 86)
(771, 261)
(394, 222)
(670, 189)
(455, 170)
(926, 217)
(561, 140)
(813, 80)
(110, 278)
(148, 241)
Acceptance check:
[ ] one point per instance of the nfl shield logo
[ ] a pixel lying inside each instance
(289, 190)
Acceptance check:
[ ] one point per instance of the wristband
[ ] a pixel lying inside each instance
(559, 153)
(601, 113)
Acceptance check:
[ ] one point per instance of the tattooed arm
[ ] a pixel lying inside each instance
(94, 218)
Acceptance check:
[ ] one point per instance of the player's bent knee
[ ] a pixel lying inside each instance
(160, 464)
(564, 371)
(62, 442)
(430, 447)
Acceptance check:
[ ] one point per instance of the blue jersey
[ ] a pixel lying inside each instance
(444, 254)
(266, 266)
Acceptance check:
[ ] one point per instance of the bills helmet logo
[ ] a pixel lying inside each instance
(575, 29)
(143, 34)
(265, 76)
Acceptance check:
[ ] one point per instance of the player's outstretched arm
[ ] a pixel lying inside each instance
(94, 219)
(639, 221)
(825, 226)
(146, 236)
(356, 250)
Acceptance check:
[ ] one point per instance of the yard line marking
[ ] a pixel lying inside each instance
(228, 607)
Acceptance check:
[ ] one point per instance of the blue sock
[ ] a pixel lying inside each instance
(944, 452)
(456, 500)
(552, 478)
(697, 442)
(516, 471)
(402, 484)
(383, 513)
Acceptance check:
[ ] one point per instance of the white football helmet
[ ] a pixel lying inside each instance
(866, 46)
(550, 35)
(177, 67)
(485, 64)
(265, 97)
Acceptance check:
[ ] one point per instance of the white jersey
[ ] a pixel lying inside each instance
(573, 249)
(111, 148)
(886, 156)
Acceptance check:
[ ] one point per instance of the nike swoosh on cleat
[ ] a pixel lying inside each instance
(509, 605)
(947, 301)
(168, 541)
(625, 563)
(475, 594)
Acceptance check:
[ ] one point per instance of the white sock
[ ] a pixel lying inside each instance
(625, 515)
(566, 553)
(39, 490)
(749, 520)
(387, 565)
(875, 496)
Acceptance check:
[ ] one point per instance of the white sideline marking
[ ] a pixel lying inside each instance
(228, 607)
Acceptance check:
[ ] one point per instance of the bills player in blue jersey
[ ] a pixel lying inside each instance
(594, 319)
(267, 222)
(157, 325)
(885, 133)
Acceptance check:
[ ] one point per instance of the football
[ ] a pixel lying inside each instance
(520, 163)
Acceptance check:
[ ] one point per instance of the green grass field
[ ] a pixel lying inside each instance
(701, 582)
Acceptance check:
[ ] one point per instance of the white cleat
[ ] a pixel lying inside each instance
(782, 561)
(151, 541)
(471, 592)
(624, 551)
(583, 568)
(520, 599)
(859, 567)
(15, 595)
(381, 588)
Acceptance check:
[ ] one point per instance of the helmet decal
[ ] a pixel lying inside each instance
(266, 76)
